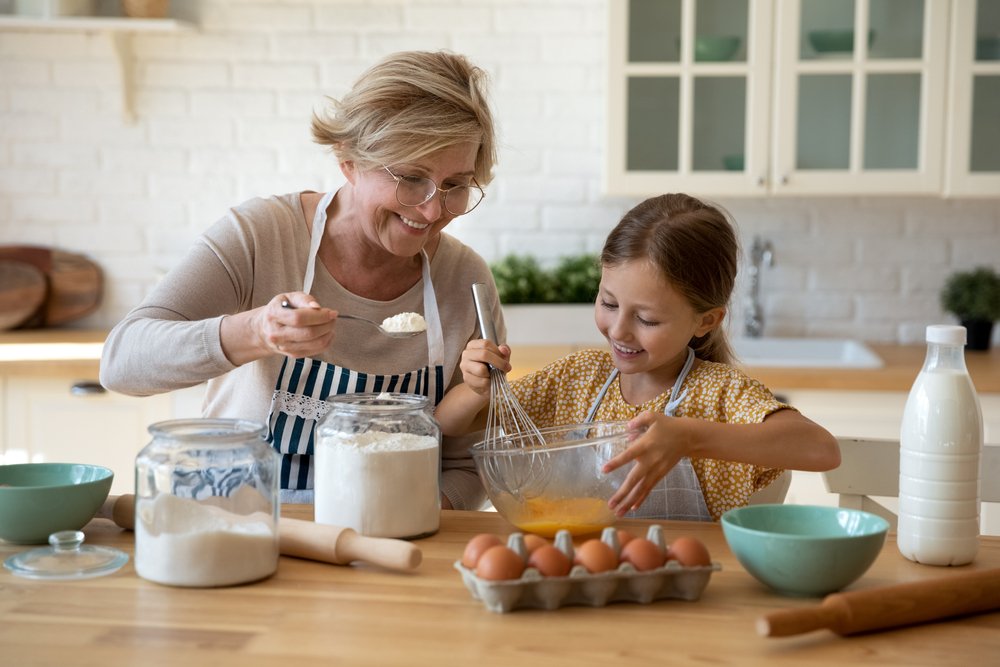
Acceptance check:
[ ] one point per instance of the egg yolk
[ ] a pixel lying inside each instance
(580, 516)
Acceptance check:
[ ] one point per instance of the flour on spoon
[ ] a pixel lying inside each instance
(405, 323)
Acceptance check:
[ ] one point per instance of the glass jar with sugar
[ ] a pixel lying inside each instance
(378, 464)
(206, 504)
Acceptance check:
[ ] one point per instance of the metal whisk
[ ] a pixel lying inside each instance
(520, 469)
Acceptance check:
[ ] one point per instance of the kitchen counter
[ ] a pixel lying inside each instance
(902, 363)
(312, 613)
(47, 351)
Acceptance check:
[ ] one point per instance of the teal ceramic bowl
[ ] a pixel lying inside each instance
(38, 499)
(715, 48)
(835, 41)
(804, 550)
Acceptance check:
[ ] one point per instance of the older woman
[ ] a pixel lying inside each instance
(253, 307)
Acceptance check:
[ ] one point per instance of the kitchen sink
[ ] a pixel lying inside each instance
(805, 353)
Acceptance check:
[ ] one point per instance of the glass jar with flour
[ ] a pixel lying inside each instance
(378, 465)
(206, 504)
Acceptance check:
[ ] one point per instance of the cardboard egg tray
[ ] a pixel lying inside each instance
(579, 587)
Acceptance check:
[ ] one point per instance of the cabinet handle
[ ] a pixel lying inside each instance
(86, 388)
(784, 180)
(761, 181)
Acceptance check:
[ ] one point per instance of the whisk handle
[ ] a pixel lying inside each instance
(483, 312)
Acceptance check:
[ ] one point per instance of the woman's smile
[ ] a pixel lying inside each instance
(413, 224)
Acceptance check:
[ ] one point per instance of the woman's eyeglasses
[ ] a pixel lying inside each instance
(418, 190)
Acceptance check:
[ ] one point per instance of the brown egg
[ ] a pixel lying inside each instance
(690, 552)
(596, 556)
(643, 554)
(549, 561)
(476, 547)
(532, 542)
(624, 537)
(499, 562)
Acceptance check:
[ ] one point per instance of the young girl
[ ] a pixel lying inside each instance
(706, 436)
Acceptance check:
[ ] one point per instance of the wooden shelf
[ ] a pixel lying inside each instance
(92, 24)
(119, 31)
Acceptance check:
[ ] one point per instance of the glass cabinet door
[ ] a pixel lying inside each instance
(859, 115)
(688, 96)
(974, 109)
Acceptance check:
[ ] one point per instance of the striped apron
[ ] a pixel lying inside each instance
(678, 495)
(300, 395)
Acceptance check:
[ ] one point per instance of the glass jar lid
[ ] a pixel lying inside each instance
(67, 557)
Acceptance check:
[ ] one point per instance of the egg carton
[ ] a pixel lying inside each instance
(580, 587)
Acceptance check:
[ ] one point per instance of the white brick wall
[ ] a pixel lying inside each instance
(223, 116)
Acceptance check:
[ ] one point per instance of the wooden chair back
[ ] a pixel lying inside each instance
(870, 467)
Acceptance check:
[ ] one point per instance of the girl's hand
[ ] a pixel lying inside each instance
(475, 359)
(657, 446)
(295, 325)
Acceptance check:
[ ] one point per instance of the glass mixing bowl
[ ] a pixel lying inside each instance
(557, 485)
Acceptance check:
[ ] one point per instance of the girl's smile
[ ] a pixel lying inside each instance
(648, 325)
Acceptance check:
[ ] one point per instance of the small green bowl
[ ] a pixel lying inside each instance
(804, 550)
(835, 41)
(733, 162)
(38, 499)
(715, 48)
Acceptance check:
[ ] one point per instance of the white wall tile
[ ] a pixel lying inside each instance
(223, 114)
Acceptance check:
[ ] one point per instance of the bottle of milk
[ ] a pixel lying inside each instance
(941, 440)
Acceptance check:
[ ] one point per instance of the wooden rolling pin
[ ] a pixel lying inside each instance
(894, 606)
(305, 539)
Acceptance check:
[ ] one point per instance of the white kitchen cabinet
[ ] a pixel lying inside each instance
(56, 419)
(785, 114)
(974, 99)
(684, 113)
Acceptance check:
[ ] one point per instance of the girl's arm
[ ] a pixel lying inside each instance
(785, 439)
(463, 408)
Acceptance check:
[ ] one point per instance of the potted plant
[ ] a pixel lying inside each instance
(974, 298)
(549, 306)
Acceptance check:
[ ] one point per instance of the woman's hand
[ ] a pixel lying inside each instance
(302, 328)
(477, 357)
(295, 325)
(657, 445)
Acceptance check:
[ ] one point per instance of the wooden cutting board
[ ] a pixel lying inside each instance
(75, 283)
(22, 293)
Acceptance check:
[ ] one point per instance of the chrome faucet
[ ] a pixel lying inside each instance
(761, 254)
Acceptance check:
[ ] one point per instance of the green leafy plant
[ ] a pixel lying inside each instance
(576, 279)
(973, 295)
(521, 279)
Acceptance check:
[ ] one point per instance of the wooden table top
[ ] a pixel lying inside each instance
(312, 613)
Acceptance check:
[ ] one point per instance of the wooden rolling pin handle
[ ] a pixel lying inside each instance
(120, 509)
(797, 621)
(971, 592)
(334, 544)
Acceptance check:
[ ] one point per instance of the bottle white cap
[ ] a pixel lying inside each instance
(947, 334)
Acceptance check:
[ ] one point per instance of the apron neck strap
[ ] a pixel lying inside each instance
(318, 229)
(435, 332)
(676, 396)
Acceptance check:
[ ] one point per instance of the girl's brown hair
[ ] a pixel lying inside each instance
(696, 249)
(408, 106)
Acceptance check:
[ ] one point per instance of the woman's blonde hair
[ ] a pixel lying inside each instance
(695, 248)
(408, 106)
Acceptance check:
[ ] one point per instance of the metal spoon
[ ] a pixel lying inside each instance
(385, 332)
